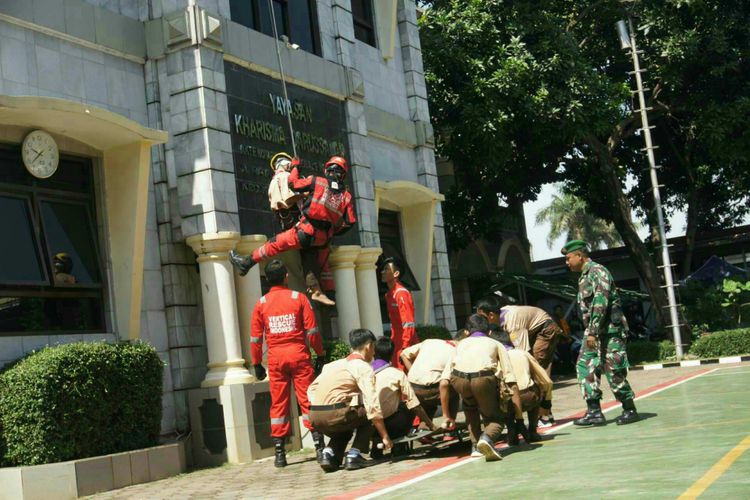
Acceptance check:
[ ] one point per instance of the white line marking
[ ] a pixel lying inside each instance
(690, 362)
(733, 359)
(653, 367)
(434, 473)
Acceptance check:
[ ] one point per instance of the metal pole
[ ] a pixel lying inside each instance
(287, 102)
(666, 261)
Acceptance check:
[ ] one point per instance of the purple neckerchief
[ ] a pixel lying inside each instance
(501, 317)
(508, 347)
(478, 334)
(379, 365)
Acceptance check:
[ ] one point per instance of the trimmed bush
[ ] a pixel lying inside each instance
(80, 400)
(723, 343)
(335, 349)
(645, 351)
(425, 332)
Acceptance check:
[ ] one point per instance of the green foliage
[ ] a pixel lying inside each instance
(425, 332)
(646, 351)
(702, 306)
(736, 298)
(80, 400)
(335, 349)
(723, 343)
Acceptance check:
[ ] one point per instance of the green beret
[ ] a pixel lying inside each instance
(574, 245)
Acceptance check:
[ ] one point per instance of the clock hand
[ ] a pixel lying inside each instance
(37, 156)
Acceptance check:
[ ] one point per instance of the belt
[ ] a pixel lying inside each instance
(469, 376)
(425, 387)
(334, 406)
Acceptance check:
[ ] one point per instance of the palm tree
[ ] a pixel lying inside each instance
(570, 215)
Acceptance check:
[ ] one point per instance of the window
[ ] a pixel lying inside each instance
(364, 29)
(294, 18)
(50, 269)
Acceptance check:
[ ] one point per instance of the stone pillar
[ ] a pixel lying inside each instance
(248, 291)
(341, 261)
(367, 290)
(225, 363)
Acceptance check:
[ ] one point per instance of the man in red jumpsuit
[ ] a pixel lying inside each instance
(288, 321)
(327, 210)
(400, 311)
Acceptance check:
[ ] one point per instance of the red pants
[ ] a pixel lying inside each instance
(284, 368)
(303, 236)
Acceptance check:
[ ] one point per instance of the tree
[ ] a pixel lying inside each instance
(570, 215)
(525, 93)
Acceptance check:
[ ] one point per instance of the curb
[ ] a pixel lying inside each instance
(692, 362)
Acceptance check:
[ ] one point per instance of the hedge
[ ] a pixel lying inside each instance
(80, 400)
(722, 343)
(645, 351)
(425, 332)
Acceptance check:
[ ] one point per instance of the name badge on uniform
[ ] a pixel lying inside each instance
(334, 185)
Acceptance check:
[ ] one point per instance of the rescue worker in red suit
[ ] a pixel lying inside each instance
(327, 210)
(288, 322)
(400, 311)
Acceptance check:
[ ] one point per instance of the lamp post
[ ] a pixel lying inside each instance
(627, 42)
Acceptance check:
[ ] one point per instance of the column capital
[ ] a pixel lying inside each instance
(249, 242)
(212, 245)
(343, 257)
(367, 258)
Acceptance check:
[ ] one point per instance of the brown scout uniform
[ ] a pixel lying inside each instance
(343, 398)
(480, 372)
(534, 385)
(397, 400)
(532, 330)
(431, 363)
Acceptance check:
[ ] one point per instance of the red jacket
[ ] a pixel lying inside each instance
(288, 321)
(401, 314)
(324, 208)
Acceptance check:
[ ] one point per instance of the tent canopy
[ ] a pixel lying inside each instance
(714, 271)
(560, 286)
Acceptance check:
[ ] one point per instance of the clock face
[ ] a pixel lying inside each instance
(40, 154)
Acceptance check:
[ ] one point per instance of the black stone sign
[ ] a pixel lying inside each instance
(259, 130)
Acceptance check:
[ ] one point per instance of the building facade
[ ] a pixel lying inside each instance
(164, 114)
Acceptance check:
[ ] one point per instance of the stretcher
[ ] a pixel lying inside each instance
(404, 446)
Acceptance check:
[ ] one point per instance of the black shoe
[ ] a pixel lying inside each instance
(328, 461)
(354, 462)
(629, 414)
(486, 447)
(376, 453)
(319, 441)
(280, 451)
(243, 264)
(534, 437)
(593, 416)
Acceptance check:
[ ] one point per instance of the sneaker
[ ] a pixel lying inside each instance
(544, 423)
(474, 452)
(487, 448)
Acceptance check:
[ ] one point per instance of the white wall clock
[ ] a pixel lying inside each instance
(40, 154)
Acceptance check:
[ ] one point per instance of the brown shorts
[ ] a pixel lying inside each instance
(530, 398)
(544, 343)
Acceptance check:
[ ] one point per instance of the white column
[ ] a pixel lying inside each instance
(341, 261)
(225, 363)
(367, 289)
(248, 291)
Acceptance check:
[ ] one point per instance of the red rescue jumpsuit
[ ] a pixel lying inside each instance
(324, 214)
(403, 328)
(288, 321)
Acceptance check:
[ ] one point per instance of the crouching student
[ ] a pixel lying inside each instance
(534, 388)
(398, 402)
(428, 367)
(344, 401)
(482, 375)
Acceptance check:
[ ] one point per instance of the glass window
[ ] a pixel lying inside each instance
(294, 18)
(364, 29)
(51, 314)
(19, 255)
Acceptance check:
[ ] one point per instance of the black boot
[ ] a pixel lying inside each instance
(512, 432)
(319, 441)
(629, 414)
(594, 415)
(278, 445)
(243, 264)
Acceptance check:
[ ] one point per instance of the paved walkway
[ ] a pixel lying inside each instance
(303, 478)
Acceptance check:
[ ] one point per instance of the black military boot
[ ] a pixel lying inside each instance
(243, 264)
(278, 445)
(593, 416)
(629, 414)
(319, 441)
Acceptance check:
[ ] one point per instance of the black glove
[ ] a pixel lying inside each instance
(522, 430)
(319, 362)
(260, 372)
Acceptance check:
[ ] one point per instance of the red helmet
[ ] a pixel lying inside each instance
(339, 161)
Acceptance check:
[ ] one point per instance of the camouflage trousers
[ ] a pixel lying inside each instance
(608, 355)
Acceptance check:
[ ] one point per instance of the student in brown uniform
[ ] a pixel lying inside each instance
(428, 366)
(481, 374)
(344, 400)
(398, 402)
(534, 386)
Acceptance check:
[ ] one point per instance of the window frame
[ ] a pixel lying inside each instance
(312, 6)
(37, 241)
(367, 24)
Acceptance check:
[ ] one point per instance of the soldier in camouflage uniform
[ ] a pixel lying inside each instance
(606, 332)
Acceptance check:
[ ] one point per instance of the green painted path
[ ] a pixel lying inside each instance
(687, 430)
